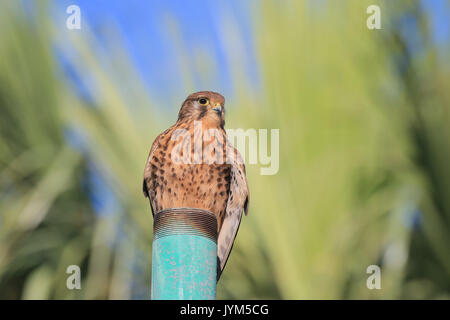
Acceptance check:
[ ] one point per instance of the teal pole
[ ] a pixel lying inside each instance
(184, 256)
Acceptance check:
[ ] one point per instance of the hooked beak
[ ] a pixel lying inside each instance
(218, 109)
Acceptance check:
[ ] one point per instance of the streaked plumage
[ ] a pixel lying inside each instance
(218, 187)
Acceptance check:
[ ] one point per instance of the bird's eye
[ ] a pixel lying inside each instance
(203, 101)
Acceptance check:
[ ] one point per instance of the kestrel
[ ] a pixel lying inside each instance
(193, 165)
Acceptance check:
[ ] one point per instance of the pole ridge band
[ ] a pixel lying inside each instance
(189, 221)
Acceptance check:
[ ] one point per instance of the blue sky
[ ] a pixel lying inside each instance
(439, 11)
(145, 34)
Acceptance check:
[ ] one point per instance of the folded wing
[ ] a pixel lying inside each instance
(238, 200)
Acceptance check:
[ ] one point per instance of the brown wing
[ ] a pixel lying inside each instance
(238, 200)
(146, 183)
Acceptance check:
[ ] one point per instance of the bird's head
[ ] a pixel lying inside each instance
(204, 106)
